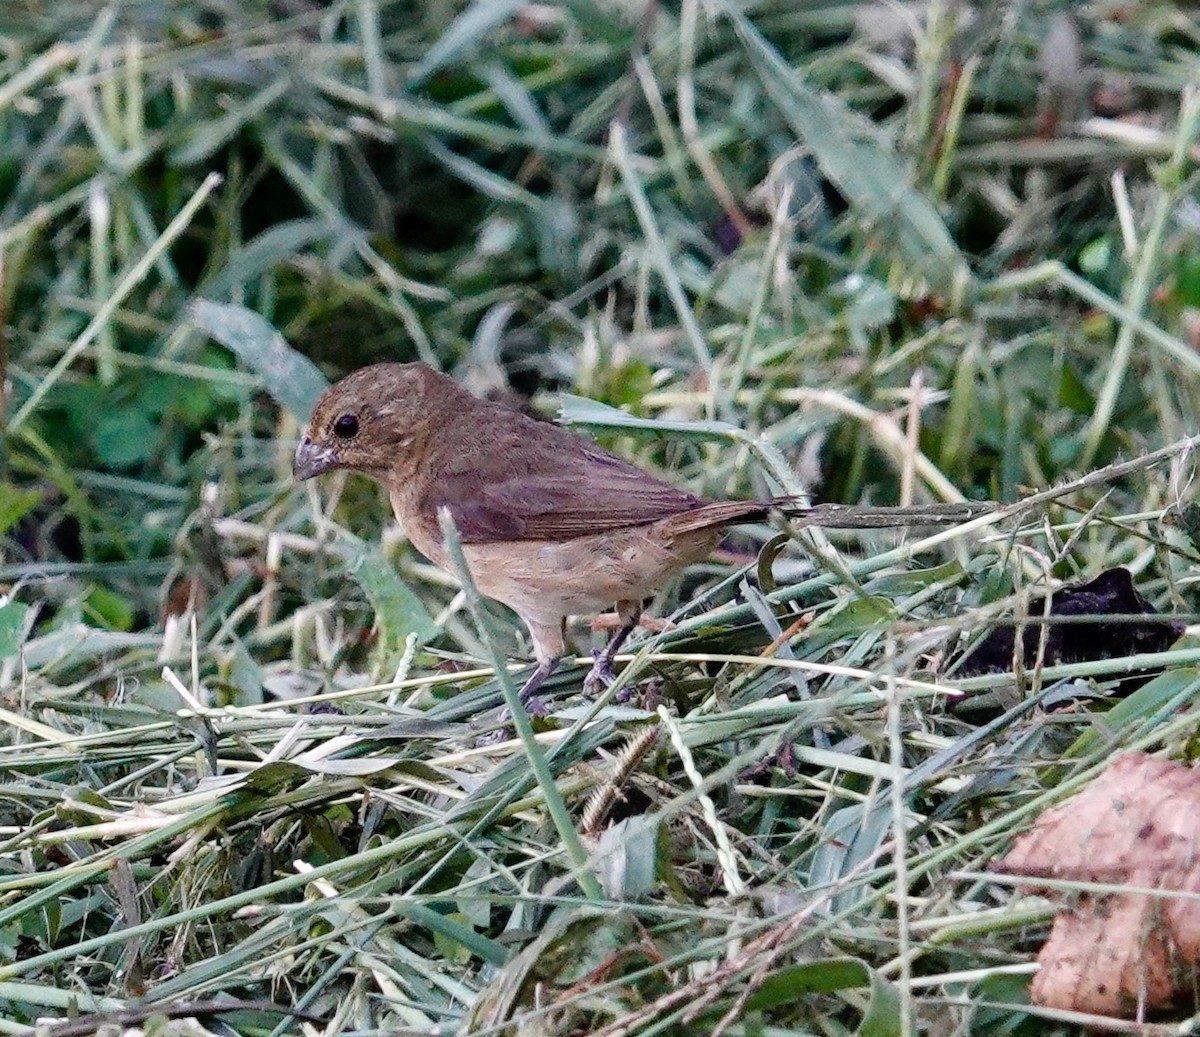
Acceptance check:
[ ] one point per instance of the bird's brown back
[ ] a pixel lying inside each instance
(505, 476)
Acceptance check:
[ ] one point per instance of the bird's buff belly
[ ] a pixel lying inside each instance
(545, 581)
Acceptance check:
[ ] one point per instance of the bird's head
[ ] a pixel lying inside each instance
(369, 420)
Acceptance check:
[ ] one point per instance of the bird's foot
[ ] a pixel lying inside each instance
(535, 707)
(645, 695)
(600, 676)
(784, 758)
(494, 737)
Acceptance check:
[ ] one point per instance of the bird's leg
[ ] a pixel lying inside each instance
(601, 674)
(548, 647)
(534, 706)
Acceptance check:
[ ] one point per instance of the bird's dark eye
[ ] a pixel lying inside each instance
(346, 427)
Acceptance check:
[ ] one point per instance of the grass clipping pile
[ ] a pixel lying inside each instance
(1121, 953)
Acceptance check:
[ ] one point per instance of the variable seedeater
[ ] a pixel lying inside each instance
(552, 524)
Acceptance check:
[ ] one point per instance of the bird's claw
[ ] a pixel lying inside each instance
(494, 737)
(648, 696)
(535, 706)
(600, 676)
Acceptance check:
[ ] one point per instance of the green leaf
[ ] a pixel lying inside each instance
(124, 436)
(272, 248)
(790, 984)
(398, 611)
(1074, 393)
(858, 614)
(882, 1017)
(961, 426)
(12, 627)
(913, 581)
(579, 410)
(110, 608)
(869, 304)
(852, 835)
(293, 380)
(850, 152)
(449, 927)
(1095, 256)
(1187, 277)
(1157, 698)
(449, 947)
(476, 25)
(1189, 518)
(76, 643)
(627, 858)
(15, 504)
(278, 773)
(475, 909)
(205, 138)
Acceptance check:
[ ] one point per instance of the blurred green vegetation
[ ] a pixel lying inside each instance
(920, 250)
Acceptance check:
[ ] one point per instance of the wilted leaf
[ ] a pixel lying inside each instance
(1104, 955)
(1110, 594)
(1064, 80)
(1138, 824)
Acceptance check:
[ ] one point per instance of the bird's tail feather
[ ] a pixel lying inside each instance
(837, 516)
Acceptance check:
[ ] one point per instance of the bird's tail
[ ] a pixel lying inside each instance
(836, 516)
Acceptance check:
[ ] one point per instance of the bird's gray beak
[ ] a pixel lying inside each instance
(312, 459)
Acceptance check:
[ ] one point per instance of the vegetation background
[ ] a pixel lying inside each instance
(874, 252)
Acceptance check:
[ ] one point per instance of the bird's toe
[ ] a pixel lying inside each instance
(600, 676)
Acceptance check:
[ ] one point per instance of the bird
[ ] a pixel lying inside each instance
(551, 524)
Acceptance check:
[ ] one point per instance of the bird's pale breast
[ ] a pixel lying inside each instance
(545, 581)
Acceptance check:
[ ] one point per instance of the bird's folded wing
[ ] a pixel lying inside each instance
(575, 489)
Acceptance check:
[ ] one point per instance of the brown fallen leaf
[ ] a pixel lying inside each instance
(1108, 956)
(1125, 954)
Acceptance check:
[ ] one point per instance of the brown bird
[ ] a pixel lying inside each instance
(551, 524)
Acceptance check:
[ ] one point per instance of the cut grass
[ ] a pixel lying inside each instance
(793, 250)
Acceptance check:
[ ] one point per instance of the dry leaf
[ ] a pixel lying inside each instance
(1112, 593)
(1138, 825)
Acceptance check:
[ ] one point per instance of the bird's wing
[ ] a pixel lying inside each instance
(541, 482)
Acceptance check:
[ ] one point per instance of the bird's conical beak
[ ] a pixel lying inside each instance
(312, 459)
